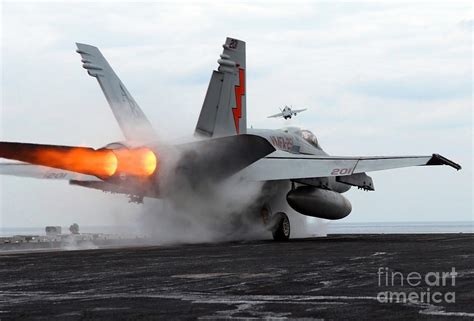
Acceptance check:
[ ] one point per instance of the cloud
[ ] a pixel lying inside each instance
(425, 88)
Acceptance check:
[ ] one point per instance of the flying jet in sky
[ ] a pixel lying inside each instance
(287, 113)
(293, 168)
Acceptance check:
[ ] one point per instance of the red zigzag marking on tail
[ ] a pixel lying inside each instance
(239, 92)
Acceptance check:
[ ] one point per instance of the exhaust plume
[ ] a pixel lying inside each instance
(102, 163)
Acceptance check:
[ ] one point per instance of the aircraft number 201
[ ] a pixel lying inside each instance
(341, 171)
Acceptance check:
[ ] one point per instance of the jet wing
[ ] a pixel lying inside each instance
(42, 172)
(276, 115)
(298, 110)
(279, 165)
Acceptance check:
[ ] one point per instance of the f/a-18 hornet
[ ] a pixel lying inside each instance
(309, 180)
(287, 112)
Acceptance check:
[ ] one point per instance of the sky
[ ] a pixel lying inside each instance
(378, 78)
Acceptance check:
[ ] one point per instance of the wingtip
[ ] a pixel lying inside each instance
(437, 159)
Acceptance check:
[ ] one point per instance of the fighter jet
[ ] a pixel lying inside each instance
(287, 113)
(295, 170)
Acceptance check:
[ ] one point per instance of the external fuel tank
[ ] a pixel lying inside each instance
(317, 202)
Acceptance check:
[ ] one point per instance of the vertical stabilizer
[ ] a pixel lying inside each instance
(131, 119)
(224, 111)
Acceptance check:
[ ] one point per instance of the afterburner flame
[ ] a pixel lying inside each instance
(102, 163)
(136, 162)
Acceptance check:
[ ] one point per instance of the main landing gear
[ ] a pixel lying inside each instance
(277, 223)
(281, 227)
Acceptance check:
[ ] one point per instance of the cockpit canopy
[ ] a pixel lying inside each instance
(307, 135)
(310, 138)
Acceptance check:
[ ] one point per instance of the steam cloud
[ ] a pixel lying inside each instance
(205, 211)
(200, 211)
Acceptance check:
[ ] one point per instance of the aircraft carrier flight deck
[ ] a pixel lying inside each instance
(339, 277)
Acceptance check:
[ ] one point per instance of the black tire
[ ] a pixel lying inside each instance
(281, 229)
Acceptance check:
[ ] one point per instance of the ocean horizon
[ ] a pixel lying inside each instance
(327, 227)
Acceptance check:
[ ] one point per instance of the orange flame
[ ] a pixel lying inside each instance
(102, 163)
(136, 162)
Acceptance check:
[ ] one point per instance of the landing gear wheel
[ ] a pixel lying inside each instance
(281, 228)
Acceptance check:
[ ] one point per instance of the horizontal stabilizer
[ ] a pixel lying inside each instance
(218, 158)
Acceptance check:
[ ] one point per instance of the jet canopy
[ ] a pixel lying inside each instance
(310, 138)
(306, 134)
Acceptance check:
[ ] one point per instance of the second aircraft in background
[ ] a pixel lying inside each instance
(287, 112)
